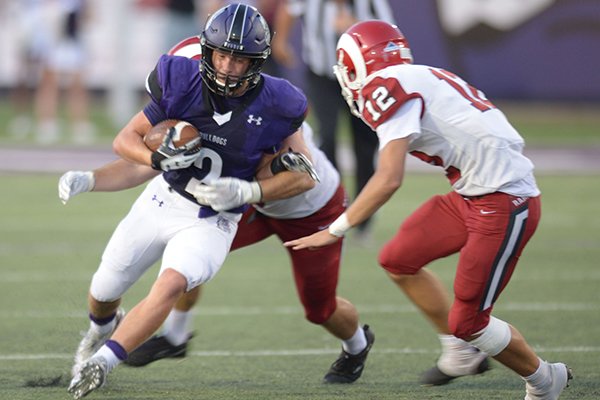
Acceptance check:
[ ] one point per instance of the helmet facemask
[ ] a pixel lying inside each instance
(351, 73)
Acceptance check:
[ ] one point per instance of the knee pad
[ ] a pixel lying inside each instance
(493, 338)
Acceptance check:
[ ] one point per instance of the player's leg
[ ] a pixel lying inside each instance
(324, 95)
(176, 332)
(496, 241)
(133, 248)
(193, 256)
(316, 277)
(433, 231)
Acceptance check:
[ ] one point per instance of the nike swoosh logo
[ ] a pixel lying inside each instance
(484, 212)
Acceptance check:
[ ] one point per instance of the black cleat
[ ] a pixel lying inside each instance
(154, 349)
(348, 367)
(435, 377)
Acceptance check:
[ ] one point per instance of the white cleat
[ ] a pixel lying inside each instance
(91, 377)
(91, 343)
(561, 375)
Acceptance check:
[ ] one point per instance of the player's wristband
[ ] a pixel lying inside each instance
(91, 179)
(340, 226)
(256, 191)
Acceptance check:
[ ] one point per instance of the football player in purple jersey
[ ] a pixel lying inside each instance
(189, 214)
(315, 272)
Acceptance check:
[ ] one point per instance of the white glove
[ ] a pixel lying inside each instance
(167, 157)
(227, 193)
(180, 160)
(73, 183)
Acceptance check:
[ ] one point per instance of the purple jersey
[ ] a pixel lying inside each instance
(233, 139)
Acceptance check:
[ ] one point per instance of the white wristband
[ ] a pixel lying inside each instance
(256, 196)
(340, 226)
(91, 180)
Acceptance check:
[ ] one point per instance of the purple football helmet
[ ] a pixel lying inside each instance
(239, 30)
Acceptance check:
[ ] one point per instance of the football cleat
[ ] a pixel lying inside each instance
(154, 349)
(91, 376)
(91, 343)
(561, 375)
(436, 377)
(349, 367)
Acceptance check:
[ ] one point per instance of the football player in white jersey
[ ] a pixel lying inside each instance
(488, 217)
(315, 272)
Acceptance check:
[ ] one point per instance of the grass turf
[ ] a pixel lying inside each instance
(251, 339)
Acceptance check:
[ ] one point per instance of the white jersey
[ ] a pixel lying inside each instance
(450, 124)
(309, 202)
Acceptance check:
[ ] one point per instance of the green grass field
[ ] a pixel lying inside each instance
(252, 341)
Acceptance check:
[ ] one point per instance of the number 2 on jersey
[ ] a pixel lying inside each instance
(474, 96)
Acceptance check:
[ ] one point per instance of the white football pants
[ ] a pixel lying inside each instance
(163, 223)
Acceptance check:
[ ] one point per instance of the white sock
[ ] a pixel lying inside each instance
(541, 377)
(452, 343)
(357, 343)
(103, 329)
(176, 327)
(111, 359)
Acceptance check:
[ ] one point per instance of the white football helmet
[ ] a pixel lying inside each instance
(366, 47)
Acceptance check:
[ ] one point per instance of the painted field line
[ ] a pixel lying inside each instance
(299, 352)
(296, 310)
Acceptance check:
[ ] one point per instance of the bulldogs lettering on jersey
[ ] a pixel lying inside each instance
(235, 137)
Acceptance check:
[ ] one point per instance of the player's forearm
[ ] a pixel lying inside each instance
(121, 175)
(284, 185)
(129, 143)
(375, 194)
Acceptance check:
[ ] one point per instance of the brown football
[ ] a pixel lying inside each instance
(184, 133)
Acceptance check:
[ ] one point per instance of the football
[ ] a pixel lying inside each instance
(184, 133)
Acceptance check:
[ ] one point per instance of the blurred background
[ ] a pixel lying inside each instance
(73, 71)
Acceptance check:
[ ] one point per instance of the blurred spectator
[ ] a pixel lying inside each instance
(184, 19)
(323, 21)
(51, 37)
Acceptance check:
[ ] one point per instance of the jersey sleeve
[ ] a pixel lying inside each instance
(405, 122)
(297, 107)
(172, 86)
(288, 108)
(382, 98)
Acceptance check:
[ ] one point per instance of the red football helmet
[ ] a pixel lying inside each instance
(189, 48)
(364, 48)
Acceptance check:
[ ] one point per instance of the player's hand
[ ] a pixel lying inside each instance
(314, 241)
(168, 157)
(298, 162)
(74, 182)
(227, 193)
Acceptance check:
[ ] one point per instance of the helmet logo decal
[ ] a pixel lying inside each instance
(391, 46)
(257, 120)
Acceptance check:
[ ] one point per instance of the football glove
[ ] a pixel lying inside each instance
(74, 182)
(168, 157)
(227, 193)
(294, 161)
